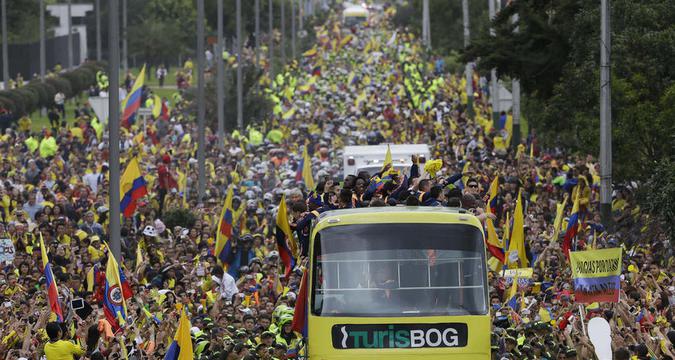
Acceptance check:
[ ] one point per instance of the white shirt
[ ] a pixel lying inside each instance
(59, 98)
(92, 181)
(228, 287)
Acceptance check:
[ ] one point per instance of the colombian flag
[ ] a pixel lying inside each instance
(52, 290)
(572, 227)
(114, 303)
(181, 347)
(133, 100)
(517, 257)
(284, 237)
(494, 246)
(304, 171)
(132, 188)
(224, 233)
(307, 176)
(300, 314)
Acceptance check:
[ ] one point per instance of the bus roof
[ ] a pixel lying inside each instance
(397, 214)
(382, 149)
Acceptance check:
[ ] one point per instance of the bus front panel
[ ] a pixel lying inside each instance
(401, 288)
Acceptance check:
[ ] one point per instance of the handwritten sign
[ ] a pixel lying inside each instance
(596, 275)
(524, 276)
(6, 251)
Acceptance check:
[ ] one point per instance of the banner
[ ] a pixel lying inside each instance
(6, 251)
(596, 275)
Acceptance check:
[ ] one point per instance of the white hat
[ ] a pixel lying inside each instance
(150, 231)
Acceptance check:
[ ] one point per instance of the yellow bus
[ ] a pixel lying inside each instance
(398, 283)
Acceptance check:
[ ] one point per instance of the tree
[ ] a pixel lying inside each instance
(555, 54)
(162, 30)
(256, 105)
(445, 19)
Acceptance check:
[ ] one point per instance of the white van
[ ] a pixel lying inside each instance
(353, 15)
(371, 157)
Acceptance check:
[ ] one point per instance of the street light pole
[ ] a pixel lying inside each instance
(114, 126)
(257, 33)
(293, 18)
(220, 81)
(43, 51)
(98, 30)
(270, 35)
(5, 55)
(70, 36)
(125, 54)
(515, 90)
(494, 84)
(240, 78)
(426, 34)
(201, 106)
(605, 117)
(301, 15)
(283, 34)
(468, 71)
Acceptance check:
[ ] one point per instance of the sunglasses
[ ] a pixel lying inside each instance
(472, 185)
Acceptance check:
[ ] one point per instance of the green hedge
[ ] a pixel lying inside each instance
(36, 94)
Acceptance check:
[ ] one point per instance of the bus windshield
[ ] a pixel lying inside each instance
(393, 270)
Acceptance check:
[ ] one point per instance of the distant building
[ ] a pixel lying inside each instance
(77, 12)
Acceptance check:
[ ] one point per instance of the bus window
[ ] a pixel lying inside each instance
(399, 270)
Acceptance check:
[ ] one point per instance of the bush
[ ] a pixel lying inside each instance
(36, 94)
(179, 217)
(61, 85)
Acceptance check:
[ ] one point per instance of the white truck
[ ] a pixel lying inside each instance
(370, 158)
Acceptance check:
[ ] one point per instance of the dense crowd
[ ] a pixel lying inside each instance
(368, 85)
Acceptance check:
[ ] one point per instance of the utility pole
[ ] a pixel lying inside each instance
(293, 30)
(468, 71)
(99, 56)
(240, 78)
(270, 35)
(301, 15)
(605, 116)
(257, 33)
(283, 34)
(70, 36)
(426, 33)
(5, 55)
(114, 126)
(125, 54)
(201, 106)
(220, 83)
(494, 84)
(43, 51)
(515, 90)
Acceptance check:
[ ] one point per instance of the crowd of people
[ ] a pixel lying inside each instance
(370, 84)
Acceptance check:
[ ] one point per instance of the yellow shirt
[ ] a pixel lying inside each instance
(95, 253)
(62, 350)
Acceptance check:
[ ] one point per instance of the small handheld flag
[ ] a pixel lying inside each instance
(52, 290)
(132, 188)
(132, 102)
(284, 237)
(224, 233)
(181, 347)
(114, 303)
